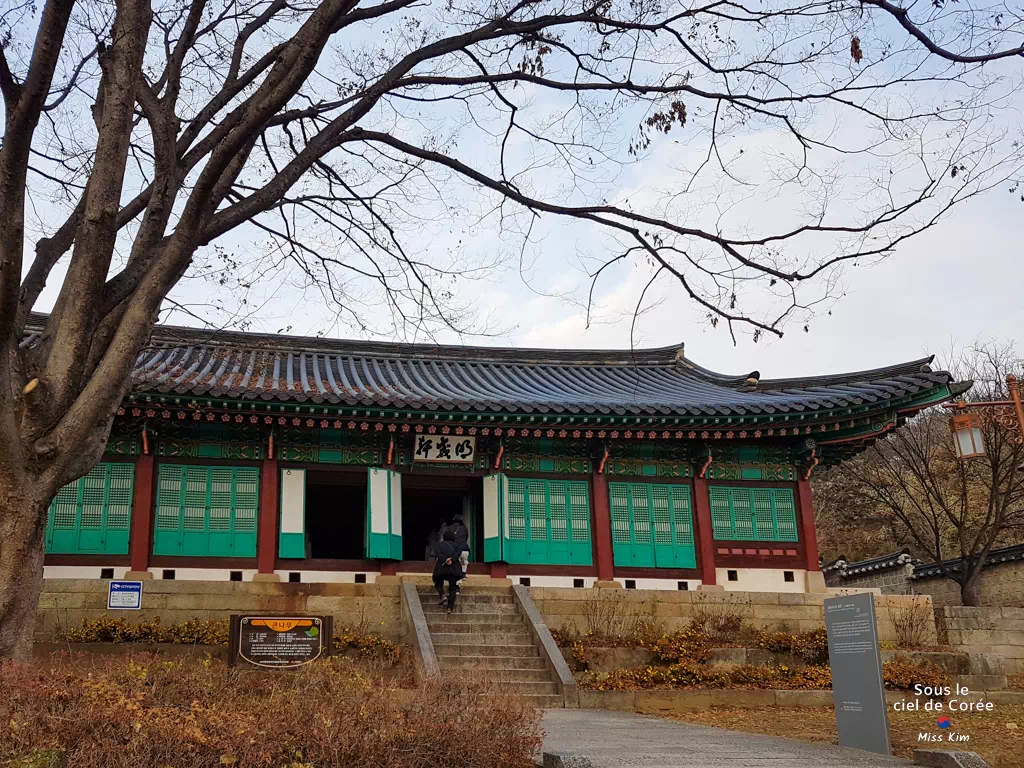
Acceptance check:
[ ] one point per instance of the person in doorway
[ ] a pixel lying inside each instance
(447, 568)
(462, 542)
(434, 539)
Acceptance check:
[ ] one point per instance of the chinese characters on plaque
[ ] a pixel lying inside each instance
(455, 449)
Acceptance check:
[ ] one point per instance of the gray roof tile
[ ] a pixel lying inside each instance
(198, 363)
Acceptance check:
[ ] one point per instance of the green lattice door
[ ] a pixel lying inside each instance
(753, 514)
(652, 525)
(206, 511)
(547, 522)
(93, 514)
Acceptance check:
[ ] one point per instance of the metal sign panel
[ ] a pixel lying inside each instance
(124, 596)
(450, 449)
(279, 642)
(857, 691)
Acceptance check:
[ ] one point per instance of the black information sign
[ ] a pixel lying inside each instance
(861, 717)
(279, 642)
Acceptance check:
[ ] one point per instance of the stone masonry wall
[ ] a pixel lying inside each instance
(374, 608)
(985, 630)
(584, 608)
(1000, 584)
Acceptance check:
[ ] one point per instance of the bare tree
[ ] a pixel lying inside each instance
(941, 507)
(981, 33)
(138, 137)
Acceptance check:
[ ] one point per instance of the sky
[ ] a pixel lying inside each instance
(958, 282)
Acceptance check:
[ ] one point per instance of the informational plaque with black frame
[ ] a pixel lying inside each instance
(279, 642)
(861, 717)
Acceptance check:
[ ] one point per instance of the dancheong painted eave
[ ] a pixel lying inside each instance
(250, 366)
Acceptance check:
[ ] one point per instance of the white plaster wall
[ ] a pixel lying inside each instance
(81, 571)
(761, 580)
(669, 584)
(203, 574)
(327, 577)
(553, 581)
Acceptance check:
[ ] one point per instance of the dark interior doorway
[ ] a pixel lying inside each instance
(421, 511)
(335, 517)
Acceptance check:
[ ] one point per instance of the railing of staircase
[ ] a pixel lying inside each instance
(414, 625)
(549, 649)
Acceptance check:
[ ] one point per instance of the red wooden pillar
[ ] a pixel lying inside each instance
(808, 535)
(603, 527)
(266, 542)
(142, 515)
(705, 533)
(499, 570)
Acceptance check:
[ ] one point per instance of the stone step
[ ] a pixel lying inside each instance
(499, 676)
(541, 701)
(470, 591)
(474, 650)
(447, 625)
(428, 598)
(481, 638)
(471, 608)
(532, 663)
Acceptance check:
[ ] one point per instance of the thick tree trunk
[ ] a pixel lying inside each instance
(23, 505)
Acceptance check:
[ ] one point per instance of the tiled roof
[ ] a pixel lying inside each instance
(996, 556)
(661, 381)
(880, 563)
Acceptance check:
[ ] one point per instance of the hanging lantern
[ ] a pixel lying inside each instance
(968, 439)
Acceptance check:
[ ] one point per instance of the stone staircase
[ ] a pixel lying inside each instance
(486, 639)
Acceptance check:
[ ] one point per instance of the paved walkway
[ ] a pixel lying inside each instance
(614, 739)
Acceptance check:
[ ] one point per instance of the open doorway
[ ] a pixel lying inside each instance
(335, 516)
(428, 499)
(422, 510)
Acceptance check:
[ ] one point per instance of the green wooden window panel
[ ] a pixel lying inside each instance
(652, 525)
(753, 514)
(548, 522)
(206, 511)
(93, 514)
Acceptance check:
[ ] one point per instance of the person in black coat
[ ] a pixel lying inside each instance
(462, 543)
(447, 568)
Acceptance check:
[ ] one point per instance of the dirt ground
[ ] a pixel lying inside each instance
(997, 736)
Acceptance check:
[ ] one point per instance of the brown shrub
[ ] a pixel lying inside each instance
(811, 647)
(155, 713)
(722, 621)
(911, 623)
(691, 674)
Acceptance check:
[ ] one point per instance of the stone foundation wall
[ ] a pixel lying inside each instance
(985, 630)
(586, 609)
(374, 608)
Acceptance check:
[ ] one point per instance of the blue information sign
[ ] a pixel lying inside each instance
(125, 595)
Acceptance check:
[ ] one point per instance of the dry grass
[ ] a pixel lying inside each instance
(149, 712)
(724, 622)
(992, 734)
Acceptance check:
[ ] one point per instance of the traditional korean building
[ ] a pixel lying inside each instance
(248, 456)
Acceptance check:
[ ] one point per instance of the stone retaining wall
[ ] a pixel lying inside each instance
(985, 630)
(374, 608)
(579, 609)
